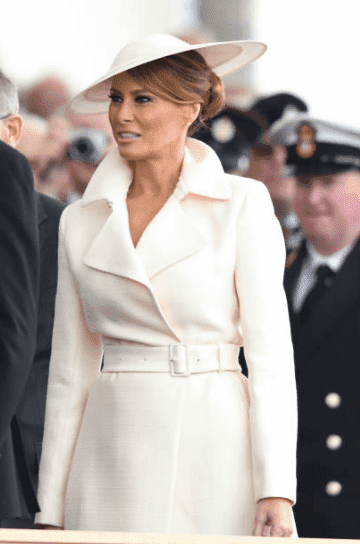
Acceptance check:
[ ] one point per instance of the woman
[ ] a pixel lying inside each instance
(167, 266)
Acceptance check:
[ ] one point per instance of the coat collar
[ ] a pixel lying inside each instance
(171, 236)
(202, 174)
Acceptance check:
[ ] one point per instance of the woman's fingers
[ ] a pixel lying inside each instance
(273, 518)
(261, 528)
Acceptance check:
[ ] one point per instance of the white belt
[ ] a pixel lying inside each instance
(178, 359)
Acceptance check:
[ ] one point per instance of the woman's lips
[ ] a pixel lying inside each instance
(128, 135)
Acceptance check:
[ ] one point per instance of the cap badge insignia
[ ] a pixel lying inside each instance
(306, 146)
(223, 130)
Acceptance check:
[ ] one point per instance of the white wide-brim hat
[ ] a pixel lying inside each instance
(223, 57)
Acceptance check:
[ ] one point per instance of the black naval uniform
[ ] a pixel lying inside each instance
(327, 363)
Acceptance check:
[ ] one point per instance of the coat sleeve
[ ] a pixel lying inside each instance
(267, 346)
(74, 365)
(19, 279)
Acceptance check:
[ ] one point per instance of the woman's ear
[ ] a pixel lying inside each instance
(193, 112)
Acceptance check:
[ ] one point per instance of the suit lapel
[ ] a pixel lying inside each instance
(290, 280)
(41, 217)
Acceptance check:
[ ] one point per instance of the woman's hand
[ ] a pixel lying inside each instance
(273, 517)
(48, 527)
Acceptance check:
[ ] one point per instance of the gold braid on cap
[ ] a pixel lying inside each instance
(306, 146)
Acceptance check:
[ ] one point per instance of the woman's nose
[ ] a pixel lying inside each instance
(125, 112)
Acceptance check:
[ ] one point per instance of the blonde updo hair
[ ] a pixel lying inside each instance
(184, 78)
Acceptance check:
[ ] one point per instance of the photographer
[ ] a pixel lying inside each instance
(64, 156)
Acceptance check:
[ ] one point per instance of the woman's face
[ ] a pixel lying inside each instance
(145, 125)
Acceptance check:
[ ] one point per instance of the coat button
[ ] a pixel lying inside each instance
(334, 441)
(333, 488)
(333, 400)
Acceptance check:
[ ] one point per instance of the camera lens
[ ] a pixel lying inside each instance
(88, 145)
(82, 149)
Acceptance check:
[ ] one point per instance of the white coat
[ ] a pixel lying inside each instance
(155, 453)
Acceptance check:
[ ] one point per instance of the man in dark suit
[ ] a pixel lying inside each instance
(19, 278)
(21, 453)
(322, 282)
(31, 409)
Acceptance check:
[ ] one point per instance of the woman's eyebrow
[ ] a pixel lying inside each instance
(112, 90)
(136, 91)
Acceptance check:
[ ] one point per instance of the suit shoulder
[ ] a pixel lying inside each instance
(11, 158)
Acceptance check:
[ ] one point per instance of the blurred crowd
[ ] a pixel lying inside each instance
(62, 147)
(312, 171)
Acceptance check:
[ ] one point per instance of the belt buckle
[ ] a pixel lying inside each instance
(179, 361)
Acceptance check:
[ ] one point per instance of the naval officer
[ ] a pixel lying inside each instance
(322, 282)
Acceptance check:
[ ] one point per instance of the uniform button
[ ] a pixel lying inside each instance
(334, 441)
(333, 400)
(333, 488)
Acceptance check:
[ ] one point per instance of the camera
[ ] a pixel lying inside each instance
(88, 145)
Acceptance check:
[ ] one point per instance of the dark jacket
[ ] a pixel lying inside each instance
(19, 281)
(327, 350)
(31, 410)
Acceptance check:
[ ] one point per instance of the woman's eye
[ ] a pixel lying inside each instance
(115, 98)
(142, 99)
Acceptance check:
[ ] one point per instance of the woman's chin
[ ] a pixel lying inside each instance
(129, 154)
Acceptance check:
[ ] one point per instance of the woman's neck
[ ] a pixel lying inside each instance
(156, 177)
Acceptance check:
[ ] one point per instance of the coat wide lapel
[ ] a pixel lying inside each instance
(112, 249)
(170, 237)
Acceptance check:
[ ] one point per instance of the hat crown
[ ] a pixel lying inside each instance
(146, 48)
(222, 57)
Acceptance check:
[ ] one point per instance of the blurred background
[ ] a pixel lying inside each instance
(312, 44)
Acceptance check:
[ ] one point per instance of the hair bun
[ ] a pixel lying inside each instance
(216, 97)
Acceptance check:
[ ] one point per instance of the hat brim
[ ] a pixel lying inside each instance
(223, 57)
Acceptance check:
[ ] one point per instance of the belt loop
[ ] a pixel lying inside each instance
(179, 361)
